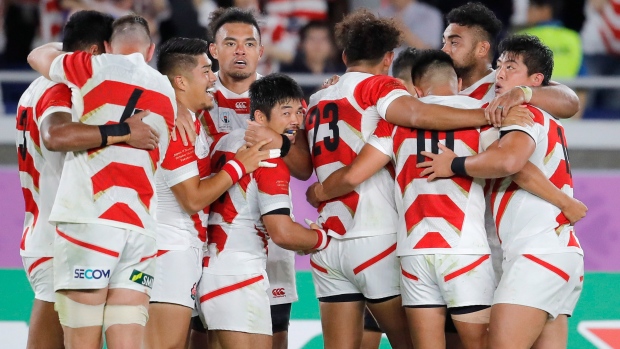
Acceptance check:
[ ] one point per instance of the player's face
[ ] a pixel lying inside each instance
(285, 117)
(459, 42)
(199, 87)
(511, 72)
(237, 49)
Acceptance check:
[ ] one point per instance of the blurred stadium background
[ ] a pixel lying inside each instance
(299, 41)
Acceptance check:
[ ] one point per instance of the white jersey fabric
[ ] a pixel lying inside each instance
(114, 185)
(483, 89)
(176, 230)
(39, 168)
(340, 120)
(526, 223)
(237, 239)
(444, 216)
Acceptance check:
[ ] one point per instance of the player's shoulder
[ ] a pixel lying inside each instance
(232, 141)
(455, 101)
(540, 116)
(273, 173)
(36, 89)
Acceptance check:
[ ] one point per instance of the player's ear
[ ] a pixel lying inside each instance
(387, 59)
(107, 46)
(178, 82)
(483, 48)
(260, 117)
(149, 53)
(537, 79)
(418, 91)
(213, 50)
(260, 51)
(344, 58)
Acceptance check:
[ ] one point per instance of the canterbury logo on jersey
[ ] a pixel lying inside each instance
(278, 292)
(240, 105)
(89, 274)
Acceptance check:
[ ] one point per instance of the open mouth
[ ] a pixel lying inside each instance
(211, 91)
(240, 63)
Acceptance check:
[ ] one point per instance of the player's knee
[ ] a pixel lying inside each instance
(477, 314)
(124, 315)
(75, 315)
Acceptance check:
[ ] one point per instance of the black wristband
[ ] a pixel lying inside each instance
(120, 129)
(458, 166)
(286, 146)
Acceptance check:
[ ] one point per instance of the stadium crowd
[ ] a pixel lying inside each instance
(157, 186)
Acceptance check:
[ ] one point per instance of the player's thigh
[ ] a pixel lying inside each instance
(86, 255)
(40, 273)
(242, 340)
(235, 303)
(549, 282)
(390, 316)
(177, 273)
(45, 331)
(554, 334)
(168, 325)
(426, 326)
(515, 326)
(342, 323)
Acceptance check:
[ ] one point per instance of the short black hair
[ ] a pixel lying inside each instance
(270, 90)
(402, 64)
(130, 21)
(303, 32)
(365, 37)
(556, 5)
(426, 60)
(86, 28)
(537, 57)
(223, 16)
(475, 14)
(179, 54)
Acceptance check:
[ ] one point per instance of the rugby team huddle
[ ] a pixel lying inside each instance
(158, 203)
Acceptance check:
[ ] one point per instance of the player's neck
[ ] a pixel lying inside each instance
(475, 74)
(238, 86)
(184, 102)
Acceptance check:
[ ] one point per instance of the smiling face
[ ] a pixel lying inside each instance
(197, 82)
(284, 117)
(511, 71)
(237, 49)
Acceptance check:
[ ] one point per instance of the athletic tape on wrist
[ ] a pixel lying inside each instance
(120, 129)
(527, 93)
(458, 166)
(322, 241)
(235, 170)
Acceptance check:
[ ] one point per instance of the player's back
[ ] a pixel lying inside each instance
(113, 185)
(525, 222)
(446, 215)
(39, 168)
(340, 120)
(237, 239)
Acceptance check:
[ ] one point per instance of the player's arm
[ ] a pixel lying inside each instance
(369, 161)
(60, 133)
(290, 235)
(41, 58)
(532, 179)
(557, 99)
(194, 194)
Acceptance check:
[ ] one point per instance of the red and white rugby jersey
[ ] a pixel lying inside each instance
(237, 239)
(483, 89)
(526, 223)
(303, 11)
(176, 230)
(114, 185)
(231, 111)
(340, 120)
(447, 215)
(39, 168)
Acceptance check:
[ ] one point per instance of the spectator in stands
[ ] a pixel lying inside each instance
(421, 24)
(297, 12)
(565, 43)
(602, 48)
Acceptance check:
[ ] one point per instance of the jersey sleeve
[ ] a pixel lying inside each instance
(180, 162)
(379, 90)
(533, 131)
(488, 135)
(382, 138)
(74, 68)
(273, 187)
(55, 99)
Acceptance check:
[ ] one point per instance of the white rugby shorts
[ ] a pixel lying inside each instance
(281, 273)
(235, 303)
(40, 273)
(95, 256)
(366, 265)
(177, 273)
(550, 282)
(453, 280)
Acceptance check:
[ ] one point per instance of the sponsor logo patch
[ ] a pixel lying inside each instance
(91, 273)
(141, 278)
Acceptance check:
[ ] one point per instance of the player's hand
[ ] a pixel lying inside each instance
(331, 81)
(185, 125)
(574, 210)
(440, 165)
(142, 135)
(313, 225)
(313, 193)
(257, 132)
(519, 115)
(498, 108)
(252, 157)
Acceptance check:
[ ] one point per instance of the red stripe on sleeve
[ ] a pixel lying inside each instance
(78, 67)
